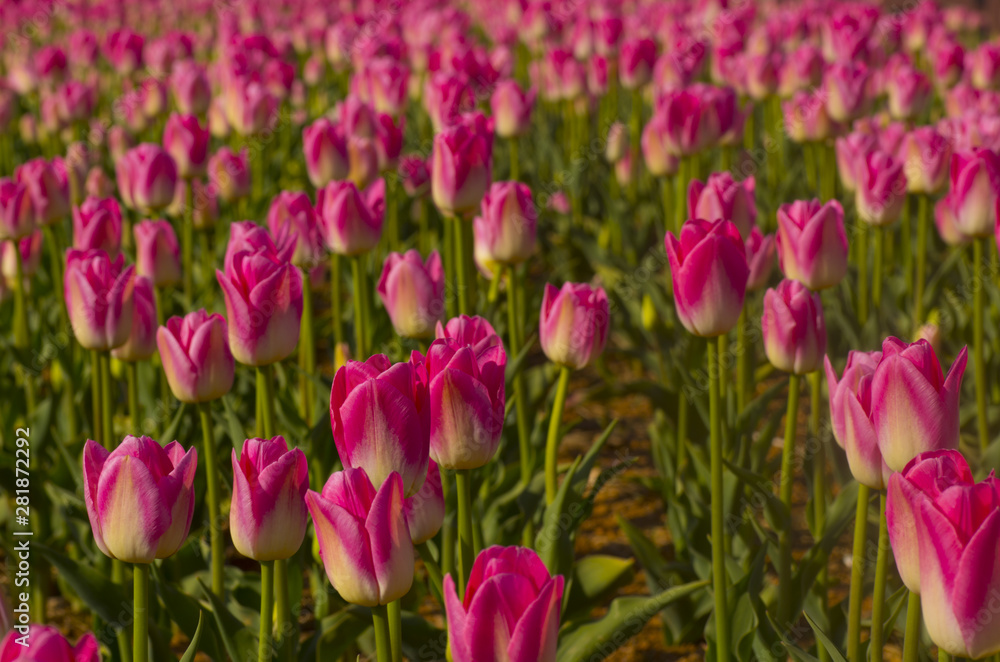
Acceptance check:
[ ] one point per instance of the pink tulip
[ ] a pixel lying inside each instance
(425, 510)
(617, 142)
(573, 324)
(99, 298)
(250, 107)
(762, 73)
(723, 197)
(325, 151)
(625, 169)
(760, 258)
(383, 84)
(48, 186)
(946, 220)
(926, 156)
(512, 107)
(659, 161)
(850, 407)
(74, 102)
(461, 168)
(635, 64)
(446, 96)
(268, 516)
(793, 328)
(17, 211)
(141, 342)
(250, 237)
(508, 223)
(510, 611)
(362, 160)
(194, 350)
(291, 213)
(846, 84)
(975, 187)
(947, 61)
(351, 220)
(123, 49)
(363, 537)
(801, 71)
(380, 415)
(465, 385)
(30, 248)
(44, 642)
(806, 118)
(412, 292)
(147, 177)
(98, 184)
(187, 143)
(812, 243)
(984, 66)
(415, 176)
(140, 497)
(388, 142)
(157, 253)
(851, 150)
(684, 122)
(356, 117)
(474, 331)
(229, 173)
(709, 268)
(97, 224)
(909, 92)
(191, 89)
(881, 190)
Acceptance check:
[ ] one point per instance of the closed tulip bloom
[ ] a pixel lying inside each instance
(909, 92)
(975, 187)
(196, 358)
(362, 161)
(250, 106)
(508, 223)
(99, 298)
(708, 265)
(123, 48)
(812, 243)
(806, 118)
(30, 248)
(147, 178)
(250, 237)
(984, 67)
(425, 510)
(98, 184)
(762, 73)
(760, 258)
(48, 186)
(140, 497)
(926, 156)
(380, 417)
(229, 173)
(157, 253)
(851, 150)
(793, 328)
(292, 213)
(268, 515)
(461, 168)
(881, 190)
(263, 305)
(466, 389)
(351, 220)
(356, 117)
(946, 221)
(474, 331)
(510, 611)
(412, 292)
(617, 143)
(17, 211)
(187, 142)
(511, 107)
(383, 84)
(97, 224)
(801, 70)
(325, 152)
(141, 342)
(850, 415)
(363, 537)
(388, 142)
(573, 324)
(721, 196)
(659, 162)
(446, 96)
(45, 642)
(191, 89)
(415, 175)
(947, 59)
(846, 86)
(685, 122)
(635, 63)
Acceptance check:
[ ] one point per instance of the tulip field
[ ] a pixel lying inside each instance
(517, 331)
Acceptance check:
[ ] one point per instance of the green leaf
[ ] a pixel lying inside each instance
(182, 608)
(107, 599)
(337, 633)
(594, 578)
(234, 427)
(239, 641)
(192, 648)
(170, 433)
(824, 639)
(595, 641)
(553, 543)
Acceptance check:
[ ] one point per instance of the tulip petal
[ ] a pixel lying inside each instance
(940, 552)
(537, 633)
(391, 546)
(975, 597)
(345, 550)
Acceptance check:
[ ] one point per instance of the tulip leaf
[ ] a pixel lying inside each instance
(234, 427)
(192, 648)
(824, 639)
(239, 641)
(170, 432)
(97, 591)
(594, 578)
(182, 608)
(337, 634)
(553, 543)
(597, 640)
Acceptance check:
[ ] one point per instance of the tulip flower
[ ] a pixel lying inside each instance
(250, 106)
(947, 58)
(684, 123)
(97, 224)
(709, 268)
(139, 497)
(806, 118)
(229, 173)
(573, 328)
(17, 211)
(45, 642)
(380, 417)
(158, 255)
(351, 220)
(851, 150)
(975, 188)
(325, 151)
(248, 236)
(191, 89)
(196, 358)
(850, 407)
(881, 188)
(510, 610)
(268, 515)
(292, 213)
(760, 258)
(141, 342)
(412, 292)
(383, 84)
(48, 186)
(147, 177)
(446, 96)
(363, 537)
(723, 197)
(926, 155)
(425, 510)
(635, 64)
(909, 92)
(845, 84)
(793, 328)
(123, 48)
(984, 66)
(187, 143)
(98, 294)
(812, 243)
(511, 108)
(507, 225)
(30, 250)
(415, 176)
(474, 331)
(461, 168)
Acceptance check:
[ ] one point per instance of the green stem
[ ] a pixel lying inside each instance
(681, 450)
(819, 489)
(338, 330)
(187, 244)
(107, 423)
(911, 640)
(881, 573)
(680, 197)
(433, 571)
(450, 267)
(56, 257)
(879, 262)
(124, 645)
(906, 243)
(741, 361)
(723, 372)
(360, 333)
(214, 500)
(515, 166)
(20, 308)
(395, 614)
(140, 614)
(266, 610)
(461, 270)
(787, 481)
(265, 379)
(134, 408)
(464, 493)
(552, 441)
(977, 348)
(392, 214)
(383, 647)
(719, 578)
(943, 656)
(862, 274)
(95, 397)
(307, 353)
(283, 610)
(514, 349)
(449, 528)
(857, 576)
(259, 404)
(635, 132)
(922, 230)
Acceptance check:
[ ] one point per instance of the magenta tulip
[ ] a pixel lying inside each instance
(511, 107)
(508, 223)
(845, 84)
(196, 358)
(793, 328)
(760, 258)
(412, 292)
(248, 236)
(141, 342)
(461, 168)
(98, 294)
(187, 143)
(97, 224)
(229, 173)
(984, 66)
(850, 407)
(975, 187)
(191, 89)
(17, 211)
(851, 150)
(425, 510)
(812, 243)
(573, 324)
(474, 331)
(909, 92)
(635, 63)
(723, 197)
(684, 123)
(147, 177)
(45, 643)
(881, 190)
(292, 213)
(351, 220)
(157, 253)
(926, 155)
(325, 152)
(48, 186)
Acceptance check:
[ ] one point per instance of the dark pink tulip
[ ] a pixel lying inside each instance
(881, 190)
(415, 175)
(17, 211)
(157, 253)
(268, 516)
(98, 298)
(356, 118)
(760, 258)
(461, 168)
(685, 122)
(984, 66)
(850, 408)
(147, 177)
(507, 226)
(196, 358)
(48, 185)
(635, 64)
(573, 324)
(141, 343)
(45, 642)
(510, 611)
(351, 220)
(187, 142)
(380, 415)
(250, 107)
(975, 187)
(761, 73)
(511, 108)
(947, 61)
(98, 184)
(325, 151)
(388, 142)
(597, 76)
(801, 71)
(292, 212)
(474, 331)
(74, 102)
(229, 173)
(846, 84)
(248, 236)
(926, 155)
(84, 46)
(812, 243)
(793, 328)
(851, 150)
(412, 292)
(123, 49)
(709, 269)
(909, 92)
(806, 118)
(446, 96)
(723, 197)
(383, 84)
(946, 220)
(97, 224)
(425, 510)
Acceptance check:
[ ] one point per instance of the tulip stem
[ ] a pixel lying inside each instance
(107, 424)
(307, 354)
(265, 391)
(360, 332)
(140, 614)
(681, 450)
(862, 274)
(857, 576)
(741, 361)
(515, 169)
(922, 229)
(819, 488)
(881, 573)
(95, 397)
(118, 577)
(877, 268)
(134, 408)
(20, 309)
(267, 610)
(380, 620)
(283, 610)
(338, 330)
(943, 656)
(187, 244)
(392, 214)
(977, 341)
(552, 441)
(464, 493)
(514, 347)
(723, 373)
(461, 269)
(395, 613)
(787, 481)
(911, 640)
(57, 258)
(635, 131)
(213, 498)
(719, 578)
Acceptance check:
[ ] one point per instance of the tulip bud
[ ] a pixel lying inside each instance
(98, 295)
(147, 177)
(926, 156)
(44, 642)
(511, 109)
(946, 221)
(48, 186)
(723, 197)
(473, 331)
(812, 243)
(413, 292)
(141, 342)
(351, 221)
(760, 258)
(158, 255)
(187, 142)
(415, 176)
(909, 92)
(573, 324)
(635, 64)
(292, 214)
(851, 150)
(793, 328)
(508, 223)
(881, 189)
(17, 212)
(97, 224)
(461, 168)
(846, 85)
(617, 143)
(30, 248)
(229, 174)
(325, 151)
(194, 351)
(425, 510)
(975, 188)
(192, 91)
(984, 68)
